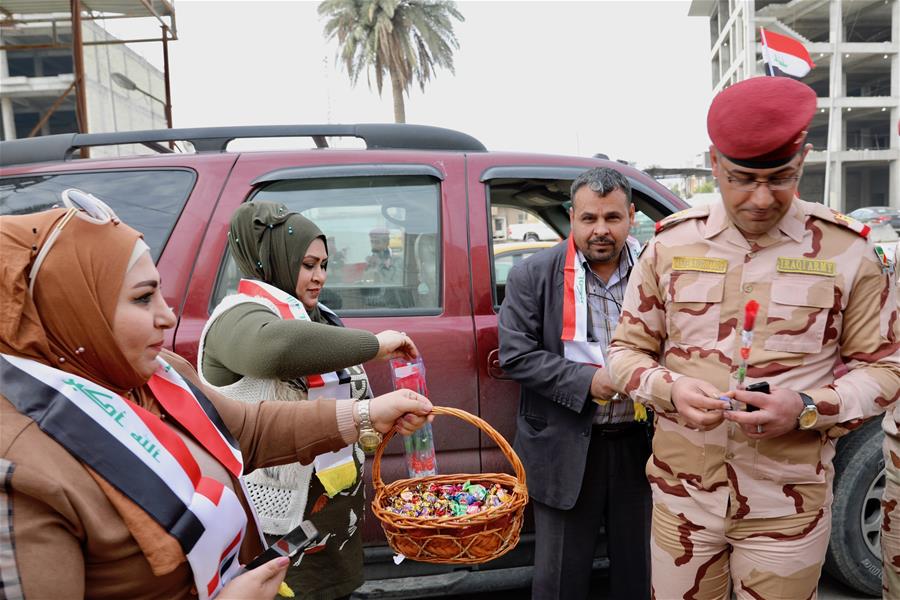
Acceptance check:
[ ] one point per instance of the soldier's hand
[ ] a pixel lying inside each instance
(777, 414)
(601, 385)
(698, 403)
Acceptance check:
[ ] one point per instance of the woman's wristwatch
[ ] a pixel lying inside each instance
(368, 437)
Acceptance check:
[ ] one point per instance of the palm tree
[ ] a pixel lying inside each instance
(407, 39)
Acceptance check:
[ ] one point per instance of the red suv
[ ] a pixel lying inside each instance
(441, 196)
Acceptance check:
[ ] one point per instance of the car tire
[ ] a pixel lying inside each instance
(854, 551)
(530, 237)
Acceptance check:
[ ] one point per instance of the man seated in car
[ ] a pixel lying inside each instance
(381, 265)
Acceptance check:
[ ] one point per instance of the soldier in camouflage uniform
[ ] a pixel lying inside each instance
(742, 499)
(890, 522)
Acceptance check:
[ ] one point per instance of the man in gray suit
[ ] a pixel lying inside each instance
(583, 451)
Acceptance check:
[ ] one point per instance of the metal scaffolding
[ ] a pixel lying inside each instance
(52, 13)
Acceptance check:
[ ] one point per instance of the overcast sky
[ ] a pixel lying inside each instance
(627, 78)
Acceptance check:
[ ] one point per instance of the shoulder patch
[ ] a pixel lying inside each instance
(695, 212)
(820, 211)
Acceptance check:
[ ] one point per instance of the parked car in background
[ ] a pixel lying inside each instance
(506, 256)
(434, 190)
(874, 215)
(531, 231)
(884, 236)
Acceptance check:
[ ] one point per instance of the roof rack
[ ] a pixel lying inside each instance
(394, 136)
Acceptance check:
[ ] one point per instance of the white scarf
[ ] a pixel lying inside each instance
(576, 346)
(335, 470)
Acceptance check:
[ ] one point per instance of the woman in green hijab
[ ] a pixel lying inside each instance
(274, 341)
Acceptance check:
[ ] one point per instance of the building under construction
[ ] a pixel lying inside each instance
(856, 147)
(62, 70)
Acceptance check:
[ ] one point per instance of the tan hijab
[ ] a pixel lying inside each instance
(76, 292)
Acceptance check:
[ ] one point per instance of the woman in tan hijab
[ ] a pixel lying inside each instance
(119, 469)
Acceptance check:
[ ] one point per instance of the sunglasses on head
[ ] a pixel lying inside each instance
(89, 207)
(82, 205)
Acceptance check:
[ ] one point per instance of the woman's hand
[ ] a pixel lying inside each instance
(395, 344)
(261, 582)
(403, 410)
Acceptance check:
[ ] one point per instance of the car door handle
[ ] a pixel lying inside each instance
(493, 365)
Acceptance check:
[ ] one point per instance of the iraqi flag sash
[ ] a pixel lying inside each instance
(335, 470)
(141, 456)
(577, 345)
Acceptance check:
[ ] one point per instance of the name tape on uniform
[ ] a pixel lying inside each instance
(700, 263)
(806, 266)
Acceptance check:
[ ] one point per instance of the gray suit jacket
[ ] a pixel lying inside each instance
(555, 412)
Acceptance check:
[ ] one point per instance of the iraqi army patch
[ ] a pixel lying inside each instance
(703, 264)
(806, 266)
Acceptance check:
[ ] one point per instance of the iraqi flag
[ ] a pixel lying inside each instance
(784, 55)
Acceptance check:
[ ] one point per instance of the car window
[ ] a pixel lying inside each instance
(502, 267)
(513, 224)
(644, 227)
(528, 211)
(148, 200)
(515, 234)
(505, 261)
(383, 241)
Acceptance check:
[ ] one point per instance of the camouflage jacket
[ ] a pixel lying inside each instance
(825, 299)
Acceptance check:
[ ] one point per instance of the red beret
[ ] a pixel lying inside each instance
(759, 122)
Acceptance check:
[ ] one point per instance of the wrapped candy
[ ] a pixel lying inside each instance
(432, 500)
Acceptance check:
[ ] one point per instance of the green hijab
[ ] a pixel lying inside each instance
(268, 242)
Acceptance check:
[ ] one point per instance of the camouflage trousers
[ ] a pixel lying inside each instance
(890, 522)
(696, 554)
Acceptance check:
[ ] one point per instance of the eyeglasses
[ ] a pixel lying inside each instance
(84, 206)
(746, 184)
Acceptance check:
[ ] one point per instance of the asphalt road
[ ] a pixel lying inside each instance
(829, 589)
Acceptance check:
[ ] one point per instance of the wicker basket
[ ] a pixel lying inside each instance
(449, 539)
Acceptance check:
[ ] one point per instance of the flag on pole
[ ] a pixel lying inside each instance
(784, 55)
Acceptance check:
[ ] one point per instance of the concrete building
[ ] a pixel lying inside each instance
(856, 160)
(122, 90)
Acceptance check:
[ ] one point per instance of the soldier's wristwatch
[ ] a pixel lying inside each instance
(809, 415)
(368, 437)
